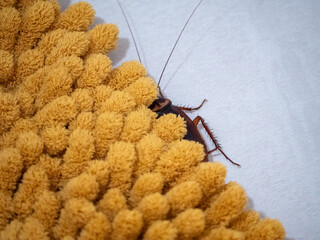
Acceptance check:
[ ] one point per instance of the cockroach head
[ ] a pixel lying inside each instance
(159, 104)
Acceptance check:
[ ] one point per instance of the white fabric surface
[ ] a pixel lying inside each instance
(257, 63)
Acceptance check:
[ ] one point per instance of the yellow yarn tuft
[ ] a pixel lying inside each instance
(6, 66)
(126, 74)
(98, 227)
(9, 27)
(153, 207)
(112, 203)
(127, 225)
(183, 196)
(147, 184)
(96, 69)
(222, 233)
(170, 127)
(190, 223)
(161, 230)
(55, 139)
(77, 17)
(81, 154)
(103, 38)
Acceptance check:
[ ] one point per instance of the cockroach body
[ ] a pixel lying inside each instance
(164, 106)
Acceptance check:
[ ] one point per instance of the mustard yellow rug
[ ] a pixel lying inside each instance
(81, 154)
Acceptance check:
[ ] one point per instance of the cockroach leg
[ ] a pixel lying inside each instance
(213, 150)
(214, 140)
(192, 109)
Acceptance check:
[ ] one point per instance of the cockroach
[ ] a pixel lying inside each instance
(164, 106)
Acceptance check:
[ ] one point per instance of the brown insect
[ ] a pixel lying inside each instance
(163, 105)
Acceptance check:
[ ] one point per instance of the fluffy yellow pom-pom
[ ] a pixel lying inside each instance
(9, 138)
(227, 206)
(103, 38)
(7, 3)
(149, 148)
(190, 223)
(57, 83)
(161, 230)
(9, 27)
(74, 216)
(107, 131)
(5, 210)
(72, 43)
(96, 69)
(182, 157)
(245, 220)
(100, 169)
(58, 112)
(210, 177)
(137, 124)
(36, 19)
(84, 120)
(183, 196)
(34, 181)
(28, 63)
(55, 139)
(112, 203)
(266, 229)
(83, 186)
(33, 82)
(77, 17)
(81, 147)
(144, 91)
(83, 99)
(6, 66)
(11, 165)
(33, 229)
(170, 127)
(46, 209)
(121, 158)
(153, 207)
(78, 154)
(145, 185)
(50, 39)
(126, 74)
(97, 228)
(100, 94)
(119, 101)
(30, 146)
(127, 225)
(222, 233)
(52, 167)
(12, 230)
(73, 64)
(9, 111)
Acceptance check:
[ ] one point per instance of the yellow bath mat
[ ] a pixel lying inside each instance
(81, 154)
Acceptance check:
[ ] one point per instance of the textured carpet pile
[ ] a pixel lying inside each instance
(81, 154)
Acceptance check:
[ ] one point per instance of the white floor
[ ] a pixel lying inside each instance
(258, 64)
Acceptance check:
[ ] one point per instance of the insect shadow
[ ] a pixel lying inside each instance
(64, 4)
(118, 54)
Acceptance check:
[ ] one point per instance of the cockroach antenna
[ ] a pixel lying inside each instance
(175, 44)
(134, 40)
